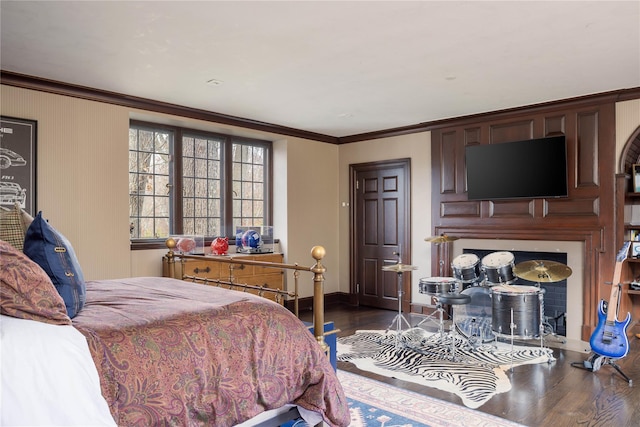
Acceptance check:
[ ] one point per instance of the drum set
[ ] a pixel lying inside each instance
(486, 303)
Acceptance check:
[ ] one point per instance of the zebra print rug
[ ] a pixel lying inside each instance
(448, 362)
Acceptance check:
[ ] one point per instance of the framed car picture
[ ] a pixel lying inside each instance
(18, 163)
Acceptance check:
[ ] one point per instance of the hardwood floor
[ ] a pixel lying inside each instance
(554, 394)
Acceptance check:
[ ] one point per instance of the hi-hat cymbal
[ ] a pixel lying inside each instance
(542, 271)
(399, 267)
(443, 238)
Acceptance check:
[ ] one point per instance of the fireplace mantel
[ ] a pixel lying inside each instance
(586, 216)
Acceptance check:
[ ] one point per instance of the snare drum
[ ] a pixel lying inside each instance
(466, 268)
(525, 302)
(498, 268)
(437, 285)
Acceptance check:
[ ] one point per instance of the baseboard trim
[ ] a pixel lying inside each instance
(332, 299)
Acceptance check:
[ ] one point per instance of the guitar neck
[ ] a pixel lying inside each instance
(612, 308)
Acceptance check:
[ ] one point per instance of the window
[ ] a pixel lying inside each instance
(214, 184)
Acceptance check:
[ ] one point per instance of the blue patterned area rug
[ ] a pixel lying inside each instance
(376, 404)
(474, 374)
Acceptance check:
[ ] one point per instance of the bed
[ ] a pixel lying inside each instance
(156, 351)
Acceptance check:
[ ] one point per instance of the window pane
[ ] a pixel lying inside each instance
(161, 185)
(201, 188)
(149, 180)
(188, 224)
(247, 190)
(247, 154)
(188, 207)
(187, 147)
(258, 191)
(188, 188)
(162, 227)
(146, 228)
(188, 166)
(258, 172)
(202, 179)
(161, 164)
(214, 188)
(214, 150)
(214, 170)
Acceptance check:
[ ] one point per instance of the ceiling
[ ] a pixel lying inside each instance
(337, 68)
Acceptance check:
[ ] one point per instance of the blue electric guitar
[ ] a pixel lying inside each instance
(610, 336)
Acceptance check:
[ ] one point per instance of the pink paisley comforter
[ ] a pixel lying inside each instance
(171, 352)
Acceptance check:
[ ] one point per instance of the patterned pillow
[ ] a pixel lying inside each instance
(26, 291)
(53, 252)
(12, 227)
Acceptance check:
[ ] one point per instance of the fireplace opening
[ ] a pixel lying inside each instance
(554, 296)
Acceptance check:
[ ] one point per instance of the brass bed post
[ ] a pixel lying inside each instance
(318, 252)
(170, 259)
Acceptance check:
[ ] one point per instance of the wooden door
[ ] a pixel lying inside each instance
(380, 232)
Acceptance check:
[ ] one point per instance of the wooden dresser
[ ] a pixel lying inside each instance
(272, 278)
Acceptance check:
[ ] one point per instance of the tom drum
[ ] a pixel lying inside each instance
(437, 285)
(498, 268)
(526, 304)
(466, 268)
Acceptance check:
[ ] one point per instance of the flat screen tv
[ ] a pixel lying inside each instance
(534, 168)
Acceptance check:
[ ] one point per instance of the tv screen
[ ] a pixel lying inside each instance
(522, 169)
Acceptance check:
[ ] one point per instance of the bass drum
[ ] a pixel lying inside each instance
(473, 320)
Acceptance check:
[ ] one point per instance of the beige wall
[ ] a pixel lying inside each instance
(82, 172)
(416, 147)
(83, 186)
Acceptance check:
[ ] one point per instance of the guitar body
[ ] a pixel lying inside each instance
(609, 339)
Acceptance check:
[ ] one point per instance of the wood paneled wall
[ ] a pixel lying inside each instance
(587, 215)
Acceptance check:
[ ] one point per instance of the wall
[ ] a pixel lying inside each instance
(86, 199)
(416, 147)
(82, 188)
(82, 184)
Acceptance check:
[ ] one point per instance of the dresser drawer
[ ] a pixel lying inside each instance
(269, 281)
(207, 269)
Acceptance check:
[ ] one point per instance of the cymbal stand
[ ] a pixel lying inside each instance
(399, 319)
(543, 323)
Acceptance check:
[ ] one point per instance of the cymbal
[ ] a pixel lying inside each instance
(399, 267)
(542, 271)
(443, 238)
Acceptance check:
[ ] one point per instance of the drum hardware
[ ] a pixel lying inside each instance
(473, 321)
(542, 271)
(441, 300)
(437, 240)
(398, 320)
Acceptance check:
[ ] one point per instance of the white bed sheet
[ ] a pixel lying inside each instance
(48, 377)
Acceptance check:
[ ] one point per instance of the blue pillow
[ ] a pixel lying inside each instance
(53, 252)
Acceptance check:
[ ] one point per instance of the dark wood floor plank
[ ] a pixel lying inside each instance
(547, 394)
